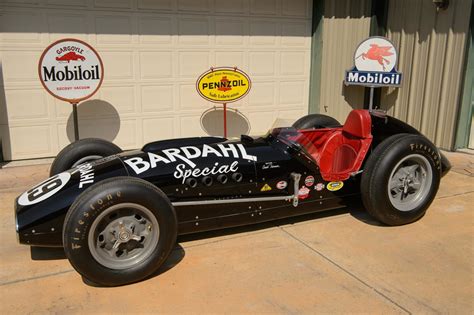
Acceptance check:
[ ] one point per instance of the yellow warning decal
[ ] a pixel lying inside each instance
(266, 187)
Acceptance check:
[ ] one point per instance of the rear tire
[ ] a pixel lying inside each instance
(316, 121)
(82, 151)
(119, 231)
(401, 178)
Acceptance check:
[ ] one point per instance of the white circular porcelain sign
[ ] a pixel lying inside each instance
(71, 70)
(375, 54)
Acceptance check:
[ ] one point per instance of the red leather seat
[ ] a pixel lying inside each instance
(341, 151)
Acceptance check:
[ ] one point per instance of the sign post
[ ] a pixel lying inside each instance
(223, 85)
(375, 61)
(72, 71)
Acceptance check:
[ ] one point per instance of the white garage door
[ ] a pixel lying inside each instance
(153, 52)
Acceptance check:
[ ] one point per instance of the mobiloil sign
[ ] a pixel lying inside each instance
(375, 62)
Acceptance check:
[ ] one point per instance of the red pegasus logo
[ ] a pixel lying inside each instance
(378, 53)
(70, 56)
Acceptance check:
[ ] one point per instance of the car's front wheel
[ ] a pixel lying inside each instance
(401, 178)
(82, 151)
(119, 231)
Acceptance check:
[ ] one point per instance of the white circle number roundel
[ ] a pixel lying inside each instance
(44, 190)
(375, 54)
(71, 70)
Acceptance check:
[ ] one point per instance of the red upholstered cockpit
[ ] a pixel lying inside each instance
(339, 151)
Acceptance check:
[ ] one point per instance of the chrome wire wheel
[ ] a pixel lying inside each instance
(409, 182)
(123, 235)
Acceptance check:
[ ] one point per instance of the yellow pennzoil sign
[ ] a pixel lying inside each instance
(223, 84)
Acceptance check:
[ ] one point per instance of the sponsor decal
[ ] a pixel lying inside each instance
(319, 186)
(44, 190)
(223, 84)
(266, 187)
(333, 186)
(187, 154)
(375, 62)
(70, 70)
(87, 174)
(268, 165)
(309, 181)
(303, 192)
(281, 184)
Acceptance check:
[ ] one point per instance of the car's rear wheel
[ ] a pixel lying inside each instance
(401, 178)
(316, 121)
(82, 151)
(119, 231)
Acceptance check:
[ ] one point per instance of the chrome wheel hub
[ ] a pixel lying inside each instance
(410, 182)
(123, 235)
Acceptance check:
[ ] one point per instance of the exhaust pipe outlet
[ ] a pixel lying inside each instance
(222, 179)
(207, 180)
(237, 177)
(191, 182)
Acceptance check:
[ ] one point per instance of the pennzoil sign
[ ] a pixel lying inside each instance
(70, 70)
(223, 84)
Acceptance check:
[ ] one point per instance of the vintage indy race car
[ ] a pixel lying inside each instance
(117, 214)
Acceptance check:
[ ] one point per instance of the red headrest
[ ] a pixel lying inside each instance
(358, 123)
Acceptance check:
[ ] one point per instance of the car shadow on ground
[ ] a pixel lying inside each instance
(177, 255)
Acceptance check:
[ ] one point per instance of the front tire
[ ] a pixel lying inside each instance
(119, 231)
(401, 179)
(82, 151)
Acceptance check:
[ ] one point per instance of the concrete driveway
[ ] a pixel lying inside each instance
(335, 262)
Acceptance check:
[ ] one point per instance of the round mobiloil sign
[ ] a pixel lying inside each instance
(223, 84)
(71, 70)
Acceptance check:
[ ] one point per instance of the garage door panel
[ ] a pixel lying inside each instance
(292, 93)
(31, 141)
(118, 64)
(194, 5)
(293, 63)
(190, 126)
(231, 58)
(194, 30)
(236, 6)
(17, 27)
(156, 64)
(262, 63)
(189, 99)
(296, 8)
(263, 32)
(122, 4)
(265, 120)
(193, 63)
(159, 128)
(20, 66)
(30, 104)
(153, 52)
(295, 34)
(122, 98)
(156, 30)
(264, 7)
(157, 98)
(262, 94)
(62, 25)
(112, 29)
(230, 31)
(164, 5)
(68, 3)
